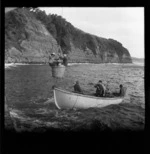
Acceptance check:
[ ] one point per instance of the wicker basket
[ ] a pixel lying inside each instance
(58, 71)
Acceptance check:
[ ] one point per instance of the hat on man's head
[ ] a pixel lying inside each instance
(53, 53)
(77, 82)
(121, 85)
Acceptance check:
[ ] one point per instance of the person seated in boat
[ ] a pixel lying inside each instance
(77, 88)
(105, 89)
(121, 92)
(100, 89)
(108, 93)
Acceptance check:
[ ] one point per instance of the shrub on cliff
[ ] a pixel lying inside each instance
(14, 25)
(15, 22)
(56, 25)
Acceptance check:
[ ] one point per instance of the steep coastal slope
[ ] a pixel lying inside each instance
(31, 35)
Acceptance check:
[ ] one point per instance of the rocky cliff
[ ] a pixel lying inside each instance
(31, 35)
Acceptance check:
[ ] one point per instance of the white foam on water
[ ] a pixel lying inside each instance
(13, 114)
(27, 64)
(50, 100)
(140, 64)
(71, 64)
(49, 124)
(37, 121)
(9, 65)
(18, 114)
(42, 111)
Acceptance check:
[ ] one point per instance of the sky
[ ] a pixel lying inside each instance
(124, 24)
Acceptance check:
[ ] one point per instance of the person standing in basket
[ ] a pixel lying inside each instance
(54, 60)
(65, 60)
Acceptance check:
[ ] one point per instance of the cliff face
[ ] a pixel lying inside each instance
(32, 36)
(28, 40)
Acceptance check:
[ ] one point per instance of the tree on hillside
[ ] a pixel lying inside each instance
(14, 24)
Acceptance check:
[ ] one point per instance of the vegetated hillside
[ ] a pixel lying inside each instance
(31, 35)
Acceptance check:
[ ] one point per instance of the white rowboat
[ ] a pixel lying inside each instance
(69, 100)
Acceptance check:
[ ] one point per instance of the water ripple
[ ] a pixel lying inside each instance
(31, 103)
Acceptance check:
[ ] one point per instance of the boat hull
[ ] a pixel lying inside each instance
(69, 100)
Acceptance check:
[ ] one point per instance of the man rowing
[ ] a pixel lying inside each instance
(100, 89)
(77, 88)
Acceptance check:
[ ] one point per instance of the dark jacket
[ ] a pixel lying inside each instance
(122, 91)
(99, 89)
(65, 61)
(77, 88)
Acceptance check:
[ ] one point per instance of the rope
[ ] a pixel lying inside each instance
(75, 103)
(119, 71)
(62, 12)
(56, 81)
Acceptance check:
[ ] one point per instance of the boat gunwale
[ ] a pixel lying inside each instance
(62, 66)
(94, 97)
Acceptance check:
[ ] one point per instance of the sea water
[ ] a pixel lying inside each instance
(29, 102)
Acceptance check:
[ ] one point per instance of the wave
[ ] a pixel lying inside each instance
(138, 63)
(27, 64)
(9, 65)
(70, 64)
